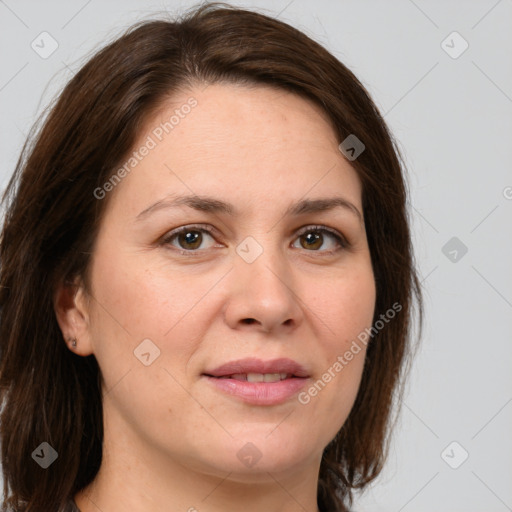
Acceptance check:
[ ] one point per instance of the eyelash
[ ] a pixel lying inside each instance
(343, 243)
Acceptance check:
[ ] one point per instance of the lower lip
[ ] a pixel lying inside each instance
(260, 393)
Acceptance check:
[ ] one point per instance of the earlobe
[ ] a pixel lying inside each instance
(72, 313)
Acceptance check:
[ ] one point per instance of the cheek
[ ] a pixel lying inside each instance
(344, 311)
(344, 307)
(132, 305)
(144, 302)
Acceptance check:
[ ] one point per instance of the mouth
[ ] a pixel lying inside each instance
(257, 377)
(259, 382)
(253, 368)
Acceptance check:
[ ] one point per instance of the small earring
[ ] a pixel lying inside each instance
(73, 342)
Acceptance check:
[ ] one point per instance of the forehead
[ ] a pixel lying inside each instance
(259, 144)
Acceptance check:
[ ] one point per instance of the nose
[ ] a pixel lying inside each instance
(262, 295)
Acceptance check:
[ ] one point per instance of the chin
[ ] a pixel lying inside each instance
(260, 453)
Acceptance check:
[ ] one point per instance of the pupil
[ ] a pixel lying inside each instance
(312, 238)
(191, 237)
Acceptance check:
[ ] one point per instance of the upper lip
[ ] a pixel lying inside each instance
(255, 365)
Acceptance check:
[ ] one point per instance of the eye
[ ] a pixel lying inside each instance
(313, 238)
(188, 238)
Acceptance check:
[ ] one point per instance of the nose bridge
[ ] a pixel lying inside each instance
(262, 259)
(263, 285)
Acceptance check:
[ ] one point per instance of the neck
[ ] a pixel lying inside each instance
(144, 478)
(127, 489)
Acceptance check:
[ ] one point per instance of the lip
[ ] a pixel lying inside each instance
(259, 393)
(255, 365)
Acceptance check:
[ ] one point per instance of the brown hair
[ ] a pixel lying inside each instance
(52, 217)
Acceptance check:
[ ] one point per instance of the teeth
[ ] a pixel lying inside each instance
(258, 377)
(255, 377)
(272, 377)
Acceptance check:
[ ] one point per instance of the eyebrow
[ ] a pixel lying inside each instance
(212, 205)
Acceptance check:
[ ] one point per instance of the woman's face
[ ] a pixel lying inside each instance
(259, 273)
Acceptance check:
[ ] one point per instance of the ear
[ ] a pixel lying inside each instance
(72, 309)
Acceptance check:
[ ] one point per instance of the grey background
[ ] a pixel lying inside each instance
(453, 119)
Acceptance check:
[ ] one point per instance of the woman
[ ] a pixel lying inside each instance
(207, 279)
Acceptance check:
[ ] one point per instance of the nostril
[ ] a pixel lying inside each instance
(249, 320)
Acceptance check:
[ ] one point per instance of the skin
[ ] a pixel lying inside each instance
(170, 437)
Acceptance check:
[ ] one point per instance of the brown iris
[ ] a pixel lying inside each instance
(191, 238)
(312, 239)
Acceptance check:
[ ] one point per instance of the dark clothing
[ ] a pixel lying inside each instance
(71, 506)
